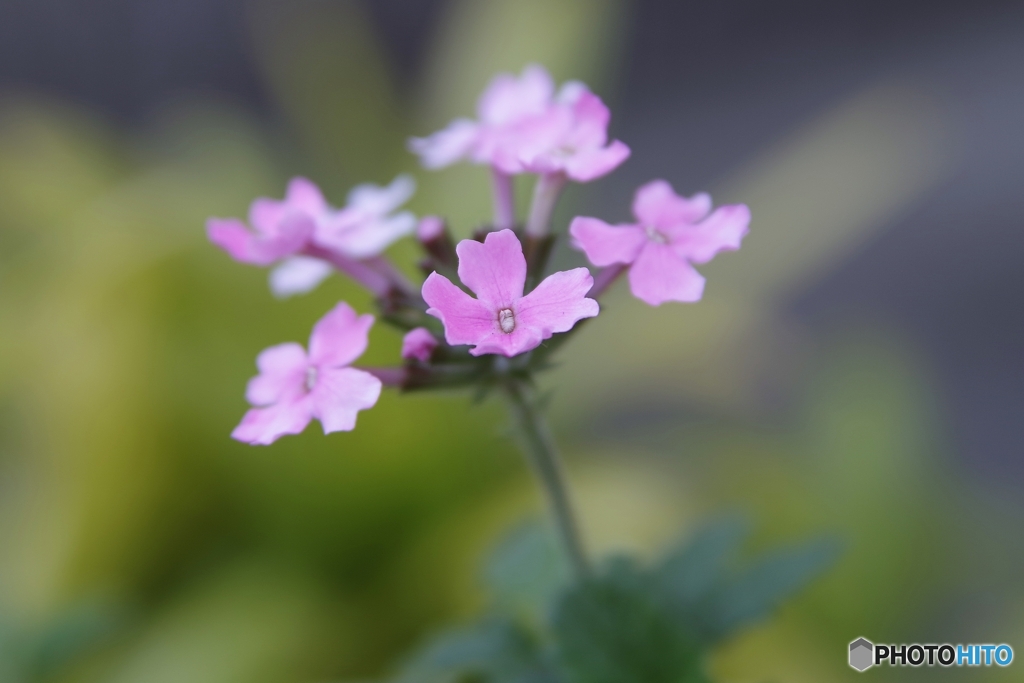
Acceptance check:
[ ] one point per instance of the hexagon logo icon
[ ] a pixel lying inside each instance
(862, 654)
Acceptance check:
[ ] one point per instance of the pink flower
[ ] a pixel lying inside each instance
(506, 101)
(418, 344)
(502, 320)
(367, 226)
(572, 138)
(294, 387)
(523, 126)
(670, 235)
(295, 232)
(280, 228)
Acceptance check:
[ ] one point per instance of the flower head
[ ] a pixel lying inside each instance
(524, 126)
(572, 138)
(671, 234)
(294, 386)
(501, 320)
(297, 231)
(418, 344)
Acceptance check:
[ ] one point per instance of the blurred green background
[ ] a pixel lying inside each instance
(139, 543)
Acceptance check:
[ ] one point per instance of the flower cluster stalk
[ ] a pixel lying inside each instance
(539, 449)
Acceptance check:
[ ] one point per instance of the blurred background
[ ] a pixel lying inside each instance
(856, 368)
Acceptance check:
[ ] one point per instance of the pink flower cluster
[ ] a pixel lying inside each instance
(524, 126)
(499, 304)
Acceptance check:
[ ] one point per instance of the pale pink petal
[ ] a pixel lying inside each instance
(340, 393)
(446, 146)
(658, 275)
(339, 337)
(304, 195)
(508, 98)
(571, 92)
(377, 200)
(282, 374)
(260, 249)
(723, 230)
(590, 127)
(495, 270)
(298, 275)
(604, 244)
(557, 303)
(466, 320)
(430, 228)
(521, 340)
(592, 163)
(657, 205)
(418, 344)
(263, 426)
(370, 237)
(265, 214)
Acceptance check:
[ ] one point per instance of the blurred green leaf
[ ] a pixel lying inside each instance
(614, 629)
(526, 570)
(73, 634)
(691, 571)
(756, 592)
(496, 649)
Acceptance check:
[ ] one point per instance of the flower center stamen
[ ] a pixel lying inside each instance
(310, 377)
(506, 320)
(655, 236)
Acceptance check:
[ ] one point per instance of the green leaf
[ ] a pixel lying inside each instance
(73, 634)
(526, 571)
(692, 570)
(756, 592)
(614, 629)
(495, 650)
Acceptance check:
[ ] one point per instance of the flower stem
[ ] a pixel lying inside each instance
(540, 451)
(605, 279)
(545, 195)
(504, 201)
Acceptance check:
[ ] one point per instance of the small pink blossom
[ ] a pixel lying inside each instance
(294, 386)
(671, 234)
(418, 344)
(296, 231)
(523, 126)
(429, 228)
(501, 320)
(572, 139)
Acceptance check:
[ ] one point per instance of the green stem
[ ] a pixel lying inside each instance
(539, 448)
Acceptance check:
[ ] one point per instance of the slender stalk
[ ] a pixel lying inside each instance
(368, 277)
(545, 195)
(504, 200)
(540, 450)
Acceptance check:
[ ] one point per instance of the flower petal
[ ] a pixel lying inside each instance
(723, 230)
(298, 275)
(339, 337)
(659, 275)
(508, 98)
(557, 303)
(447, 145)
(604, 244)
(466, 320)
(260, 249)
(592, 163)
(657, 205)
(282, 371)
(263, 426)
(378, 200)
(495, 270)
(418, 344)
(371, 236)
(340, 393)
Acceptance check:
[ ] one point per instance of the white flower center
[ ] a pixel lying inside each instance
(310, 377)
(506, 320)
(655, 236)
